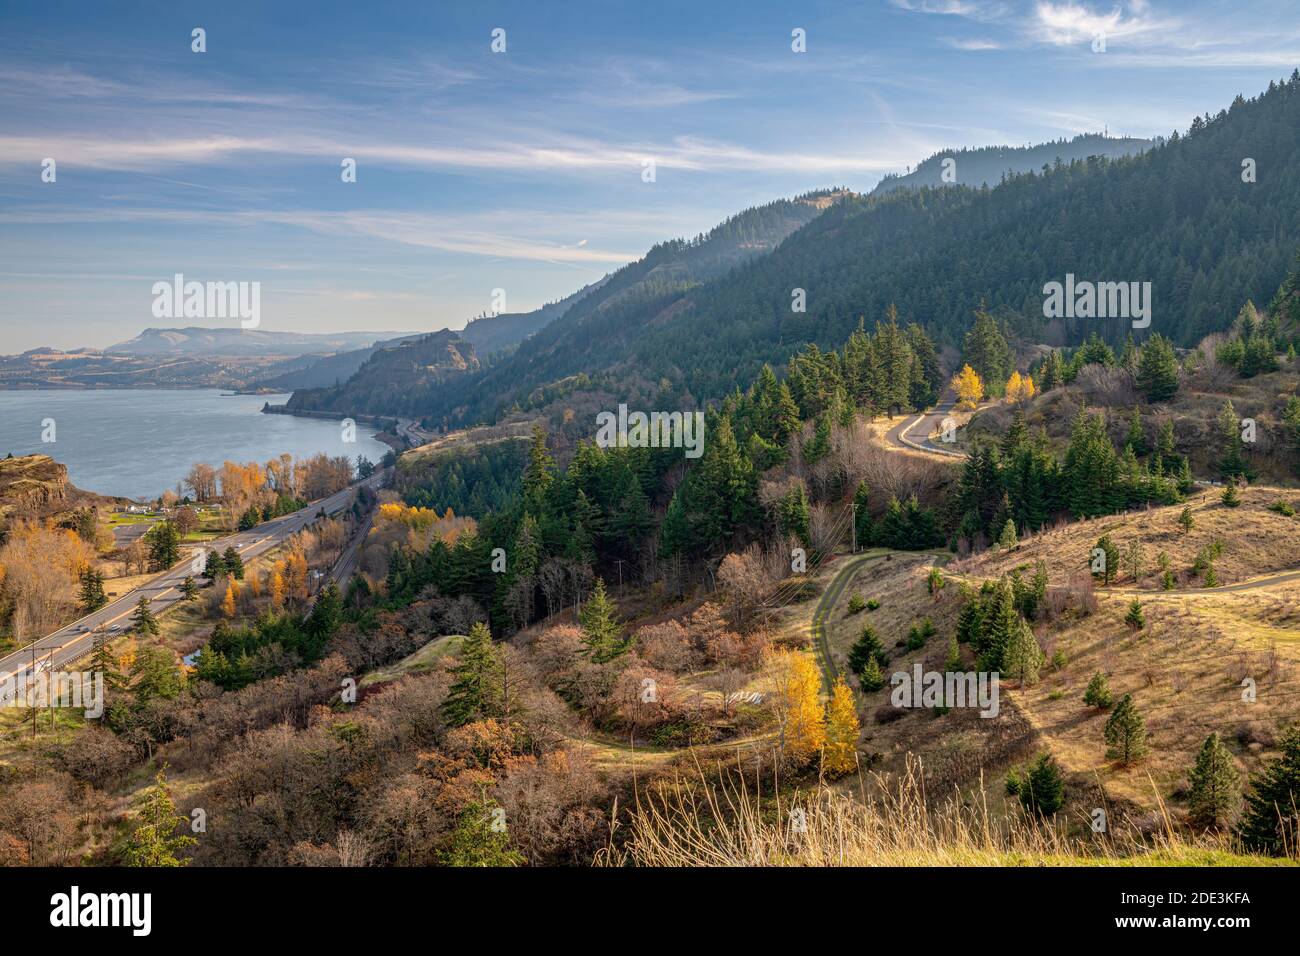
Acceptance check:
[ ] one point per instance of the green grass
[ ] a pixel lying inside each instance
(417, 663)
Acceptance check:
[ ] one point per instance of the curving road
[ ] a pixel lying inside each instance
(77, 639)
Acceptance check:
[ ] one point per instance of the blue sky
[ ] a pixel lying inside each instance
(518, 170)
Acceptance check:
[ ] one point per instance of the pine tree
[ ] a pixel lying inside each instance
(1134, 618)
(1126, 732)
(866, 648)
(103, 662)
(871, 677)
(1186, 521)
(215, 566)
(1007, 539)
(165, 545)
(1098, 693)
(600, 627)
(233, 563)
(475, 691)
(189, 588)
(952, 662)
(92, 590)
(1230, 498)
(1271, 820)
(540, 471)
(1109, 559)
(1022, 658)
(153, 841)
(478, 841)
(1215, 791)
(986, 350)
(143, 621)
(1157, 374)
(842, 730)
(1042, 791)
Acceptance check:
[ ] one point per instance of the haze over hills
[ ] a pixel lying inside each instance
(236, 341)
(397, 380)
(1205, 239)
(622, 300)
(988, 165)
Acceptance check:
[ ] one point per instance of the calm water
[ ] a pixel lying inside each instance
(140, 442)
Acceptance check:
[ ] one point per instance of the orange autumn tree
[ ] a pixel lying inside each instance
(969, 387)
(278, 589)
(842, 729)
(229, 607)
(801, 721)
(1020, 388)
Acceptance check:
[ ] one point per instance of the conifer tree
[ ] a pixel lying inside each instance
(165, 545)
(154, 841)
(475, 691)
(867, 647)
(952, 662)
(1007, 539)
(1134, 618)
(1041, 790)
(233, 563)
(1186, 521)
(1098, 693)
(871, 676)
(92, 590)
(189, 588)
(1126, 732)
(1157, 372)
(1270, 822)
(143, 621)
(103, 662)
(1230, 498)
(600, 627)
(214, 566)
(478, 841)
(1022, 658)
(1109, 558)
(1215, 791)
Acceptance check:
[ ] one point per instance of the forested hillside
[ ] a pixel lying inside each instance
(1178, 216)
(987, 165)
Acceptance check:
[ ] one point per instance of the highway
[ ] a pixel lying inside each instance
(77, 639)
(410, 431)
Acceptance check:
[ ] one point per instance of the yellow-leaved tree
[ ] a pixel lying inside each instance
(801, 721)
(842, 729)
(229, 604)
(1020, 388)
(969, 387)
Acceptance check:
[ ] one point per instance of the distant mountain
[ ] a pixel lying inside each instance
(234, 342)
(607, 319)
(494, 333)
(395, 380)
(312, 371)
(703, 317)
(987, 165)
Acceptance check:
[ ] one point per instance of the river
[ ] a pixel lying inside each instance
(140, 442)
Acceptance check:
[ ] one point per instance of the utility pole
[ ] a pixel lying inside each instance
(854, 506)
